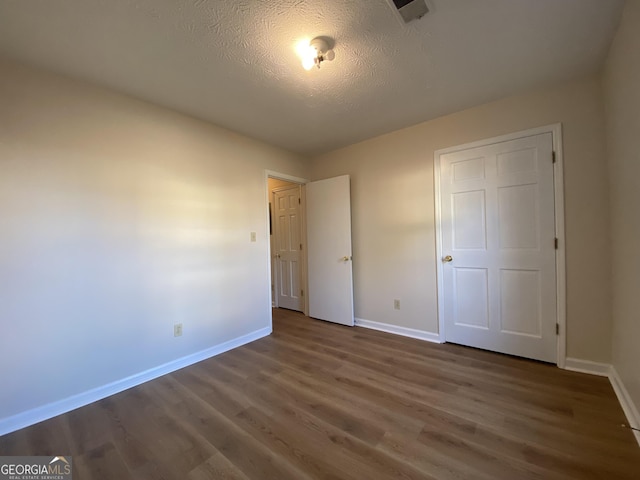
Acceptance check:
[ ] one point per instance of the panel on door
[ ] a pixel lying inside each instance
(288, 244)
(329, 250)
(498, 236)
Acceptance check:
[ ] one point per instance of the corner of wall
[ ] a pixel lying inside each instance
(619, 388)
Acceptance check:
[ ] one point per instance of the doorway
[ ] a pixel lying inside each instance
(287, 239)
(321, 247)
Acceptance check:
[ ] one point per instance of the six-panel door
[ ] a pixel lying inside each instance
(498, 227)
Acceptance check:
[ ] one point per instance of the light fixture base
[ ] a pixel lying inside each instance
(319, 50)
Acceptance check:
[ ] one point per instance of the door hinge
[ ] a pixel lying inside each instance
(555, 243)
(302, 293)
(299, 201)
(557, 329)
(553, 157)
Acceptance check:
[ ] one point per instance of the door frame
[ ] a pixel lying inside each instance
(303, 226)
(558, 186)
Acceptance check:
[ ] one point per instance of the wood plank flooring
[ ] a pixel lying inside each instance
(317, 400)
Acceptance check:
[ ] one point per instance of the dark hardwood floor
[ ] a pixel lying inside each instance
(317, 400)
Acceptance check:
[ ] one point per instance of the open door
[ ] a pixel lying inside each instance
(329, 250)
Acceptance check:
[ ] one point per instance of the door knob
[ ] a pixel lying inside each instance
(346, 258)
(448, 259)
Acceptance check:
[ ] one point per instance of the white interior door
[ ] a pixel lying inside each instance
(329, 250)
(288, 246)
(498, 247)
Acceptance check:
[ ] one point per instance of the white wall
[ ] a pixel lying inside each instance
(622, 105)
(118, 220)
(393, 209)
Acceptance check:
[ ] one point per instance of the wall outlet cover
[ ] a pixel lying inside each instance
(177, 330)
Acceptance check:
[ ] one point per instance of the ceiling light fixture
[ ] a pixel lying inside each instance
(315, 52)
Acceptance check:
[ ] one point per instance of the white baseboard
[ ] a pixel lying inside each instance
(45, 412)
(627, 404)
(404, 331)
(587, 366)
(606, 370)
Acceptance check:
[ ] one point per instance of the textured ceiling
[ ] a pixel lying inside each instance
(234, 64)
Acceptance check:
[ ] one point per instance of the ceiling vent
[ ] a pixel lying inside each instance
(410, 9)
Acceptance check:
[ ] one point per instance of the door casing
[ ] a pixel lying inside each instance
(556, 132)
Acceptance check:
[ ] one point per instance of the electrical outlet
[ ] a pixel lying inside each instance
(177, 330)
(396, 304)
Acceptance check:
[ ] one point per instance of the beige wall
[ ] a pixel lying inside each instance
(393, 209)
(622, 104)
(119, 219)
